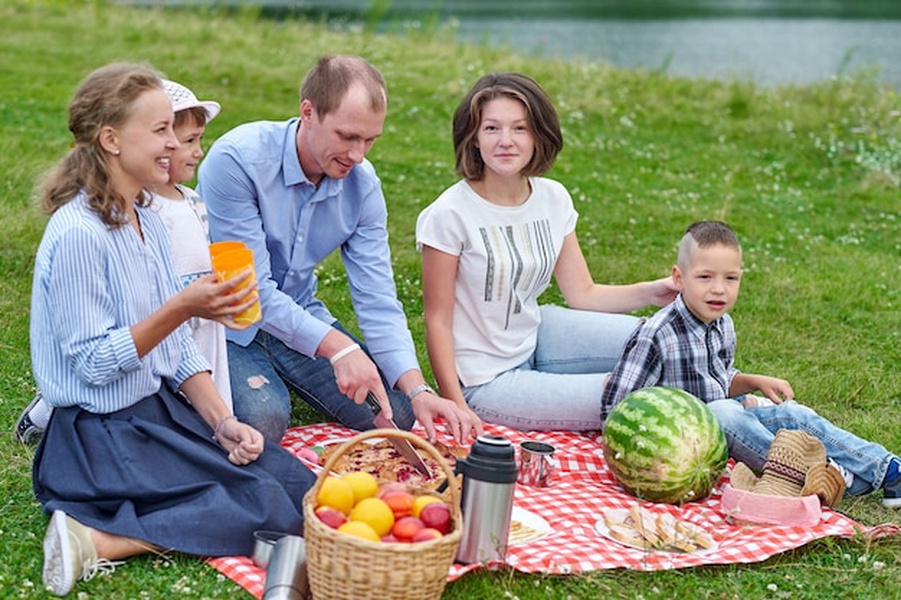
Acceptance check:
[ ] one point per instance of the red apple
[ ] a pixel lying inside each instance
(331, 517)
(426, 534)
(406, 528)
(390, 539)
(437, 516)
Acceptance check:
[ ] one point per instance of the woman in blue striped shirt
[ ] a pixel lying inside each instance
(141, 453)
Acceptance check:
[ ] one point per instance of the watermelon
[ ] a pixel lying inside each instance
(663, 444)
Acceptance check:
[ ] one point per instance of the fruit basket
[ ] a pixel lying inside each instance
(344, 567)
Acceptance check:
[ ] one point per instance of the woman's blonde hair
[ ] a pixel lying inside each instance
(104, 97)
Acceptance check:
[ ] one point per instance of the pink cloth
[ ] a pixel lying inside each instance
(765, 509)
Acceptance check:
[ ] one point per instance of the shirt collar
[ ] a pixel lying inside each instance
(294, 174)
(695, 324)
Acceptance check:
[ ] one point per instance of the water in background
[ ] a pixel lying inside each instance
(769, 42)
(763, 50)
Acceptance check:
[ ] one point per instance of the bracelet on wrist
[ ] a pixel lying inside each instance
(422, 387)
(220, 424)
(343, 352)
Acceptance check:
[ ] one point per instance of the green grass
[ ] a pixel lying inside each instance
(808, 176)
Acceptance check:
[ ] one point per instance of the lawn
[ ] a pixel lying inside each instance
(808, 176)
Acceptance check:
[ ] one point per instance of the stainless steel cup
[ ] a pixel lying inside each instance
(536, 463)
(263, 544)
(286, 576)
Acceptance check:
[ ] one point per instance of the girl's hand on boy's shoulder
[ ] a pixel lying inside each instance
(663, 291)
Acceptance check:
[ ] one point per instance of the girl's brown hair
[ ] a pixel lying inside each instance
(542, 116)
(104, 97)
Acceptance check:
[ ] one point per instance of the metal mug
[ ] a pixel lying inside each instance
(263, 545)
(536, 463)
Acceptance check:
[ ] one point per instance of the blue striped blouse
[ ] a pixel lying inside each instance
(91, 285)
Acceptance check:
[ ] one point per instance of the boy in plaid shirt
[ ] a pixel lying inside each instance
(690, 344)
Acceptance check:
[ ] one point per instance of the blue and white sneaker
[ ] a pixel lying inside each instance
(891, 494)
(26, 431)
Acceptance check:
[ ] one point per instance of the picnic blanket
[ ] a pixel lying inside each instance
(568, 514)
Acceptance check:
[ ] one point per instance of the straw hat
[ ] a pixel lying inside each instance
(795, 466)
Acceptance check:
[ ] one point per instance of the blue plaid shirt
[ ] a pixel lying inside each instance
(674, 348)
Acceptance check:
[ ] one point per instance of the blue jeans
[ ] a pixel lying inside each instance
(750, 431)
(262, 373)
(560, 386)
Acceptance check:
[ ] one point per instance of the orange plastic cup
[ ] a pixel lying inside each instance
(230, 263)
(220, 247)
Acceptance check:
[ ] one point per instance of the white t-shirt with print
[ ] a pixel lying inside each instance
(186, 220)
(506, 259)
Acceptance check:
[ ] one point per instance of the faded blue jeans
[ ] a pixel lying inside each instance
(262, 373)
(559, 387)
(750, 431)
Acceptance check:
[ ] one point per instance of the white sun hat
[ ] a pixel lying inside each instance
(183, 98)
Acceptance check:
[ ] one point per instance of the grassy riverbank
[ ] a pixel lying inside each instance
(808, 176)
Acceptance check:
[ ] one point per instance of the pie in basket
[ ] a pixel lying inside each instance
(382, 459)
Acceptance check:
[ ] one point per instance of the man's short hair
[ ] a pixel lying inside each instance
(326, 84)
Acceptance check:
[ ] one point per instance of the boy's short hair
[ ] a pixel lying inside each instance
(705, 234)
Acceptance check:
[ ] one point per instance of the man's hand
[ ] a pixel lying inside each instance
(243, 443)
(357, 375)
(461, 423)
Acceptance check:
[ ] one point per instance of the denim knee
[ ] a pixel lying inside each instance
(259, 396)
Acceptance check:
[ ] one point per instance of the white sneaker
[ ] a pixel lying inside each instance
(848, 476)
(69, 555)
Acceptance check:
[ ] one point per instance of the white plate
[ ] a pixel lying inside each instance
(536, 526)
(618, 514)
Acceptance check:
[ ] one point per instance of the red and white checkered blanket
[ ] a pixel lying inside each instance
(583, 489)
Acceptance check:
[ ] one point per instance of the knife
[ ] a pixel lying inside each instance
(403, 446)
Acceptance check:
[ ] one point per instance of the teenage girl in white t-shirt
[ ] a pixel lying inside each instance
(490, 244)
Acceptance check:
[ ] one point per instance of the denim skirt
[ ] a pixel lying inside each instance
(152, 472)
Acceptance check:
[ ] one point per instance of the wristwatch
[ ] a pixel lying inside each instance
(422, 387)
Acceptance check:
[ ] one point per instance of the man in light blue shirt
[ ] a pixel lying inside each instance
(294, 191)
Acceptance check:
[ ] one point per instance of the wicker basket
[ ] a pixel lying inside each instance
(344, 567)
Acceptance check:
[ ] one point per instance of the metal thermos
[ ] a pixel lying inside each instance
(286, 574)
(489, 480)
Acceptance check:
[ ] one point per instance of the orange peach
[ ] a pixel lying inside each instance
(400, 501)
(406, 528)
(390, 486)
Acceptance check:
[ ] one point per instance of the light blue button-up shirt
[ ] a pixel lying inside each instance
(256, 192)
(91, 285)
